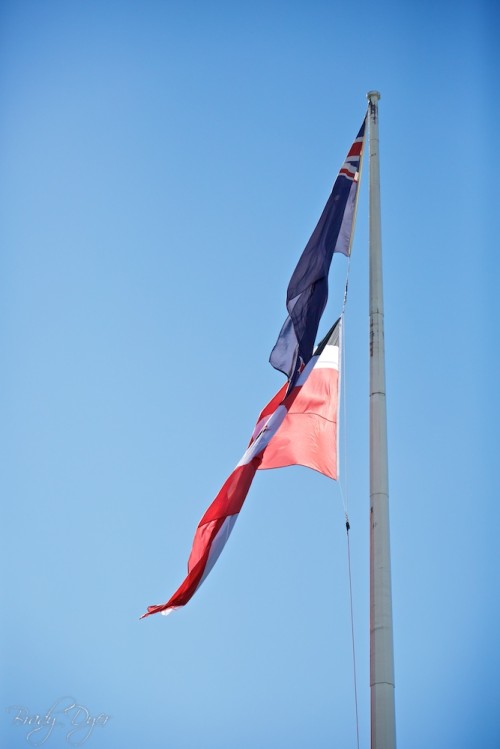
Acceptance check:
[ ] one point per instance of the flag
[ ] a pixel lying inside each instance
(307, 292)
(298, 428)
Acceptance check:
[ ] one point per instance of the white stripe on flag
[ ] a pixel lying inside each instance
(218, 544)
(329, 358)
(268, 431)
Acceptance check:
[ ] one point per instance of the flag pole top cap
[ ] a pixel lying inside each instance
(373, 96)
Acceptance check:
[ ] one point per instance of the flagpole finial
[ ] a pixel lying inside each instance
(373, 96)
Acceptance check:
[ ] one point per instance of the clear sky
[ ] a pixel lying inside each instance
(162, 165)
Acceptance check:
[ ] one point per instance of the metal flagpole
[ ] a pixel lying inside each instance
(383, 723)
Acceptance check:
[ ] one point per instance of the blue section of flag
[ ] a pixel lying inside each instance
(308, 288)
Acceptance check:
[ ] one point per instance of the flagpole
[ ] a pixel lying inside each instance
(383, 723)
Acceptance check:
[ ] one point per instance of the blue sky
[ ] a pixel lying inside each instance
(162, 167)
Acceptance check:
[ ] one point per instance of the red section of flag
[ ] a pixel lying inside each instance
(295, 429)
(308, 434)
(228, 502)
(356, 148)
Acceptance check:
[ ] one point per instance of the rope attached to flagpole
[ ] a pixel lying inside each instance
(346, 285)
(345, 495)
(345, 498)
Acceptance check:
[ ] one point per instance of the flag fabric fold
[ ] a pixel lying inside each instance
(307, 292)
(298, 428)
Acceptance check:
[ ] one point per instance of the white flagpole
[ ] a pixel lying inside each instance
(383, 723)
